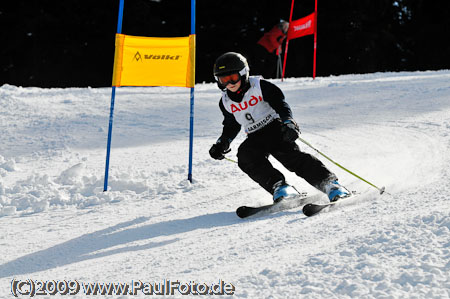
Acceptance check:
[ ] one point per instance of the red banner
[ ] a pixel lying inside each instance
(302, 27)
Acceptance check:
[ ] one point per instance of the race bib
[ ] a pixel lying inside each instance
(253, 113)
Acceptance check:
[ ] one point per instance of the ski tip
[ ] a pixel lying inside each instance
(241, 212)
(312, 209)
(382, 190)
(308, 209)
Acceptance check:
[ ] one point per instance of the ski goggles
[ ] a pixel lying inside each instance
(229, 79)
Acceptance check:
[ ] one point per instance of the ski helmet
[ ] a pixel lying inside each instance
(230, 63)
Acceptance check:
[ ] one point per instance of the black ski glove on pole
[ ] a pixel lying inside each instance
(219, 149)
(289, 130)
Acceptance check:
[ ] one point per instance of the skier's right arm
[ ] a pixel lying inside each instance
(230, 130)
(230, 126)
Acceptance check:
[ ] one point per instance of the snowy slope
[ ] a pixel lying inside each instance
(392, 129)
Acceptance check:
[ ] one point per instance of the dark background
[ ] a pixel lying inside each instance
(71, 42)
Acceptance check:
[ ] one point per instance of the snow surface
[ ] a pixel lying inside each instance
(392, 129)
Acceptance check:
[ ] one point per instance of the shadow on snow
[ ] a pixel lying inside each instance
(86, 246)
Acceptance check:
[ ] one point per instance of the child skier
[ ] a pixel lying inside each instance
(259, 107)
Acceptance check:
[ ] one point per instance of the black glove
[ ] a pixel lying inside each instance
(289, 130)
(219, 149)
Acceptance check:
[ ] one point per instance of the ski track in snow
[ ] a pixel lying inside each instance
(390, 128)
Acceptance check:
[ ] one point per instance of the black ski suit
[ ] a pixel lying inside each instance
(267, 140)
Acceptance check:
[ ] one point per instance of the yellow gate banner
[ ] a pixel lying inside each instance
(154, 61)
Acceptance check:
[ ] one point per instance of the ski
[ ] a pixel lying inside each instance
(312, 209)
(284, 204)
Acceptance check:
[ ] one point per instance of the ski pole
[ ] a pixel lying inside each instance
(228, 159)
(337, 164)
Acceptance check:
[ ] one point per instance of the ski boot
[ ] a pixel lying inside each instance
(335, 191)
(282, 190)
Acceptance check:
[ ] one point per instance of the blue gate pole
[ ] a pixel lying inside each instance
(191, 130)
(111, 112)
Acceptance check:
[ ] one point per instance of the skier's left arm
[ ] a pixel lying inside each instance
(275, 97)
